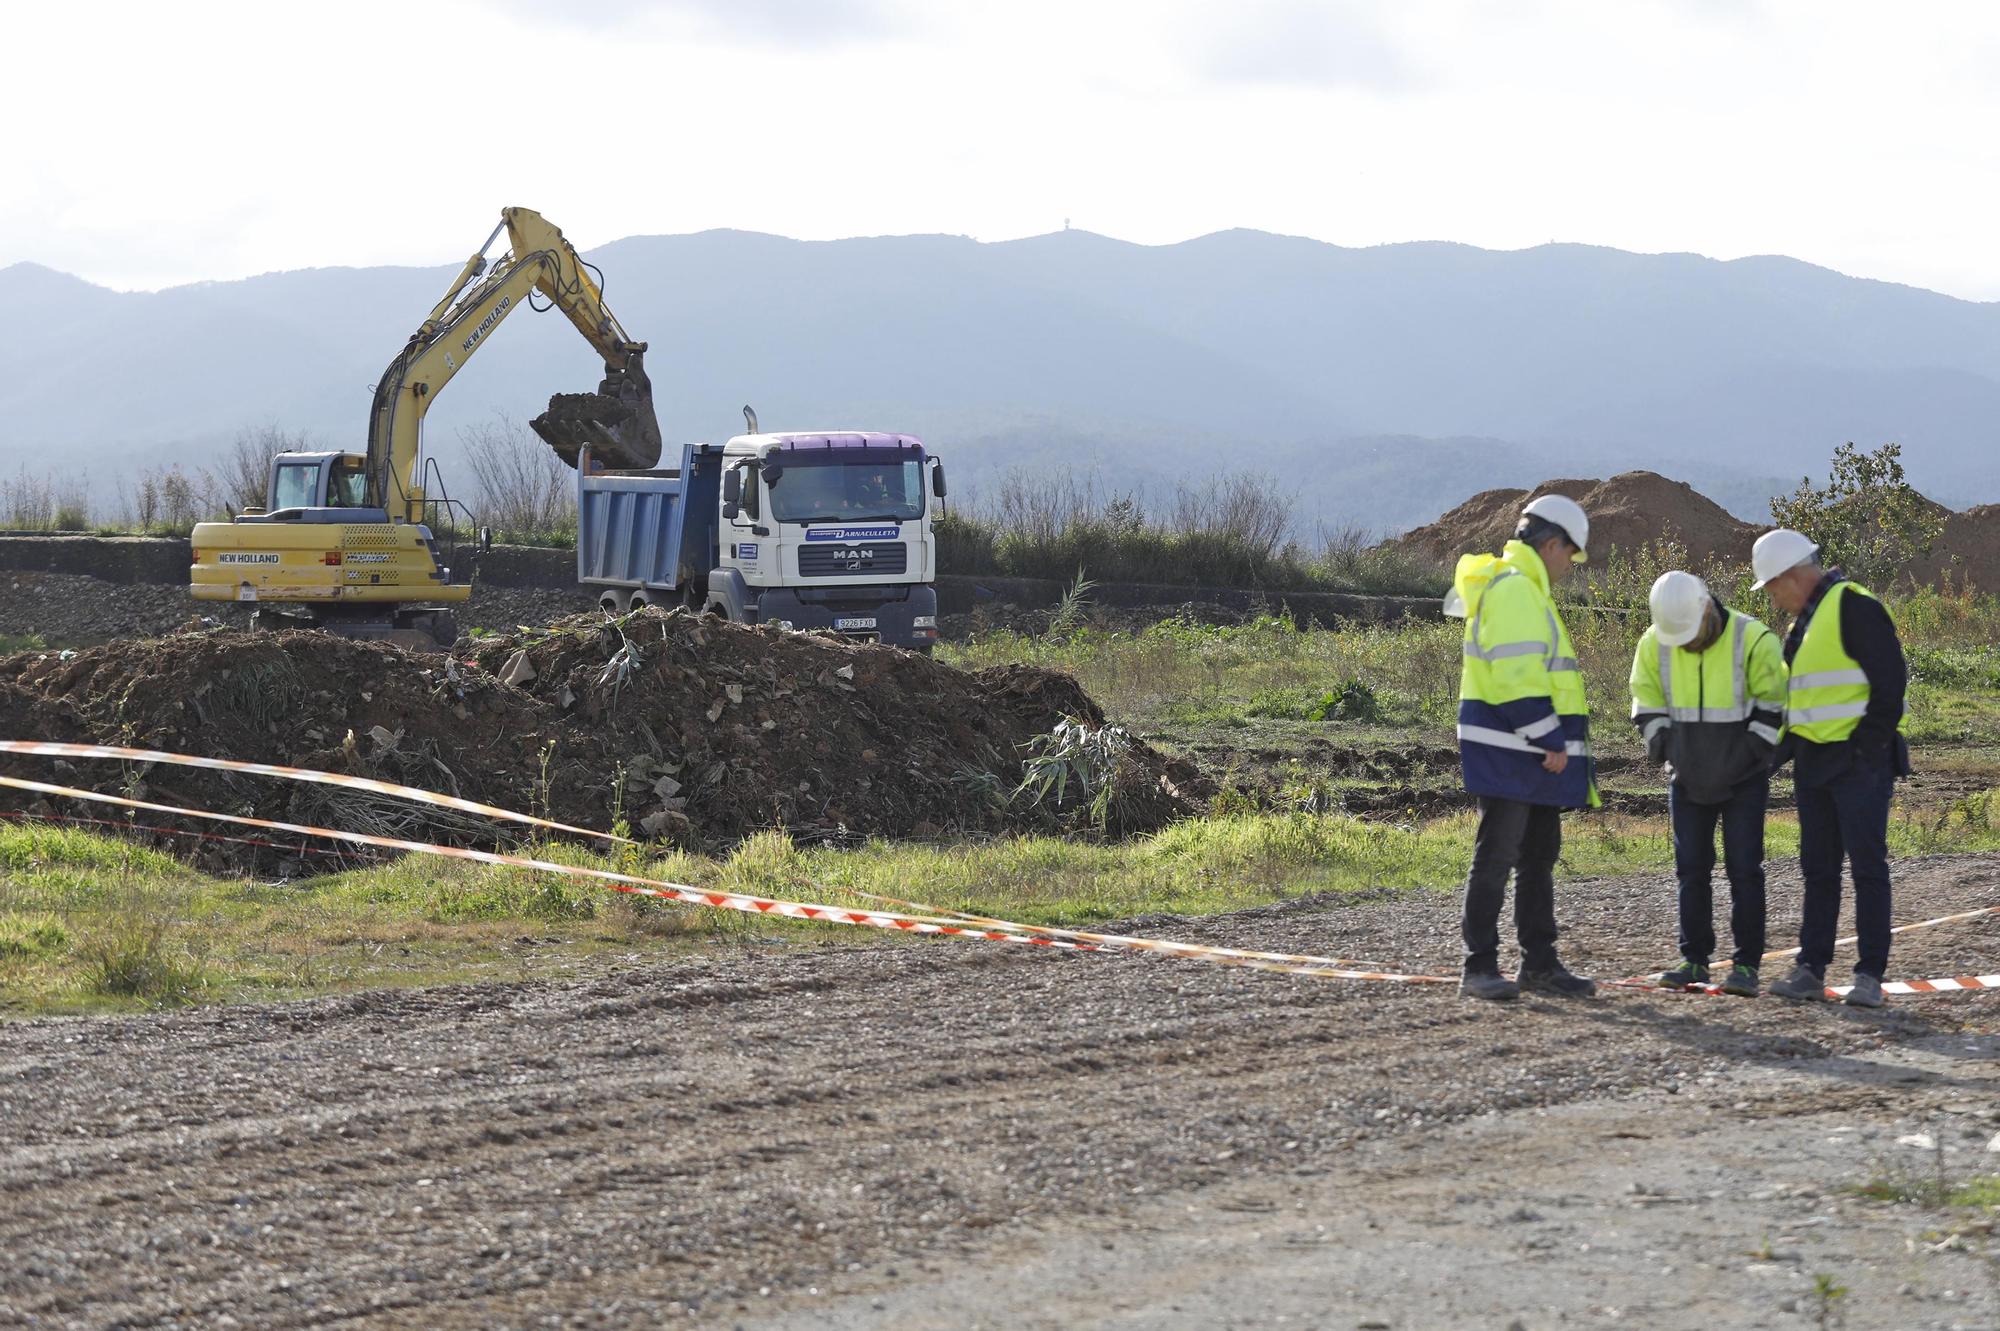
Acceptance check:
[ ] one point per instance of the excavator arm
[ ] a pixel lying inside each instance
(617, 421)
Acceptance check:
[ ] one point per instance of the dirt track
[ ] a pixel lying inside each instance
(890, 1135)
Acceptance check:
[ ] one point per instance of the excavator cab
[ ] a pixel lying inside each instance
(303, 484)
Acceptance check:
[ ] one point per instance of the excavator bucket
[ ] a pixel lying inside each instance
(616, 423)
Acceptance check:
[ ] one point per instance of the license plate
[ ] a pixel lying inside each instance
(867, 622)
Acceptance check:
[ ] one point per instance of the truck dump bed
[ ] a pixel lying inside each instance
(650, 530)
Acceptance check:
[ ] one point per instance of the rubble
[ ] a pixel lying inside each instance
(687, 728)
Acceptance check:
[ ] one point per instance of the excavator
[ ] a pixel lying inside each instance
(344, 541)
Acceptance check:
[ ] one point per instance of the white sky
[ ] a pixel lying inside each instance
(150, 144)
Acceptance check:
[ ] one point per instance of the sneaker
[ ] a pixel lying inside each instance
(1803, 985)
(1741, 981)
(1867, 991)
(1490, 985)
(1687, 975)
(1558, 981)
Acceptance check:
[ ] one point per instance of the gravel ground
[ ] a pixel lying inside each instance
(790, 1129)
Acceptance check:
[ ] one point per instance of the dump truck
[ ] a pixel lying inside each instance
(814, 530)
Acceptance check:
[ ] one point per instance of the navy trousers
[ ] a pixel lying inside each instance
(1846, 815)
(1741, 818)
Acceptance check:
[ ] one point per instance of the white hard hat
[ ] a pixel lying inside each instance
(1567, 514)
(1680, 605)
(1779, 550)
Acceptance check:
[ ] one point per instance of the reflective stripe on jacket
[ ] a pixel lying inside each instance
(1829, 690)
(1520, 692)
(1714, 715)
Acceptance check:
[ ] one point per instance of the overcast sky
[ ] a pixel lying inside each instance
(150, 144)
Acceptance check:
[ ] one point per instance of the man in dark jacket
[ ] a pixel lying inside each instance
(1844, 718)
(1708, 696)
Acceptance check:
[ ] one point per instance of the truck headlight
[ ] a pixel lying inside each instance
(924, 622)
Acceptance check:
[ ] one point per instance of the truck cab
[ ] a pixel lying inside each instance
(809, 530)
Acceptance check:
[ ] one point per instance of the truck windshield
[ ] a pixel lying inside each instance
(848, 491)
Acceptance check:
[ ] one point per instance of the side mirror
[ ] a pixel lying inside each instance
(937, 480)
(732, 493)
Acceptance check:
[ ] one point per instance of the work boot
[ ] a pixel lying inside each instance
(1867, 991)
(1556, 979)
(1741, 981)
(1687, 975)
(1803, 985)
(1491, 985)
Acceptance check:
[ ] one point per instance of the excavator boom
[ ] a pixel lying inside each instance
(617, 421)
(344, 542)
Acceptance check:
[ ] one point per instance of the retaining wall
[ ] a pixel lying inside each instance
(163, 561)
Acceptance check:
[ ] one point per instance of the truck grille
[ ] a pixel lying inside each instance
(837, 559)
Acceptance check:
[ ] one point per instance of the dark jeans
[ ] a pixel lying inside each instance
(1847, 814)
(1742, 819)
(1523, 840)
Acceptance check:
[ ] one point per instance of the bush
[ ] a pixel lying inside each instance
(1234, 531)
(521, 489)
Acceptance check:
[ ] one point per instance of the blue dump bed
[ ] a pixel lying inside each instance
(648, 529)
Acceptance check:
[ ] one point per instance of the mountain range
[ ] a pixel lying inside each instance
(1376, 386)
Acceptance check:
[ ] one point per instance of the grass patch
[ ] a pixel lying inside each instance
(1979, 1192)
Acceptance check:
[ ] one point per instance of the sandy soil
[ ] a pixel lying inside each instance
(964, 1134)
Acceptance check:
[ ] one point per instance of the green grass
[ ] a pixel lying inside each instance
(90, 922)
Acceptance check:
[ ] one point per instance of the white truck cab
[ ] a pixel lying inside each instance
(812, 529)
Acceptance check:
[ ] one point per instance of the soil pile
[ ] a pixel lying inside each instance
(694, 730)
(1968, 550)
(1630, 511)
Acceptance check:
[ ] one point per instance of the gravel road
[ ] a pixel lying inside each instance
(929, 1134)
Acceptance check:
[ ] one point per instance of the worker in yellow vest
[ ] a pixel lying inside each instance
(1708, 697)
(1845, 722)
(1524, 743)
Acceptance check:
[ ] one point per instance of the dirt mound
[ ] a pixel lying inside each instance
(697, 730)
(1968, 549)
(1628, 512)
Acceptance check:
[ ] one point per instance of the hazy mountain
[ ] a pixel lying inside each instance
(1374, 384)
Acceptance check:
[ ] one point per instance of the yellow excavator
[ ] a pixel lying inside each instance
(345, 541)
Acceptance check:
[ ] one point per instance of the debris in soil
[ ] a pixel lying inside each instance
(696, 730)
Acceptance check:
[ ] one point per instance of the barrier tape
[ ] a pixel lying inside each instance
(1944, 985)
(932, 921)
(620, 882)
(1647, 982)
(992, 931)
(306, 774)
(1949, 984)
(1342, 968)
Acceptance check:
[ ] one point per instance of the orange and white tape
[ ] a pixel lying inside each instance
(1288, 963)
(415, 794)
(1947, 985)
(896, 921)
(619, 882)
